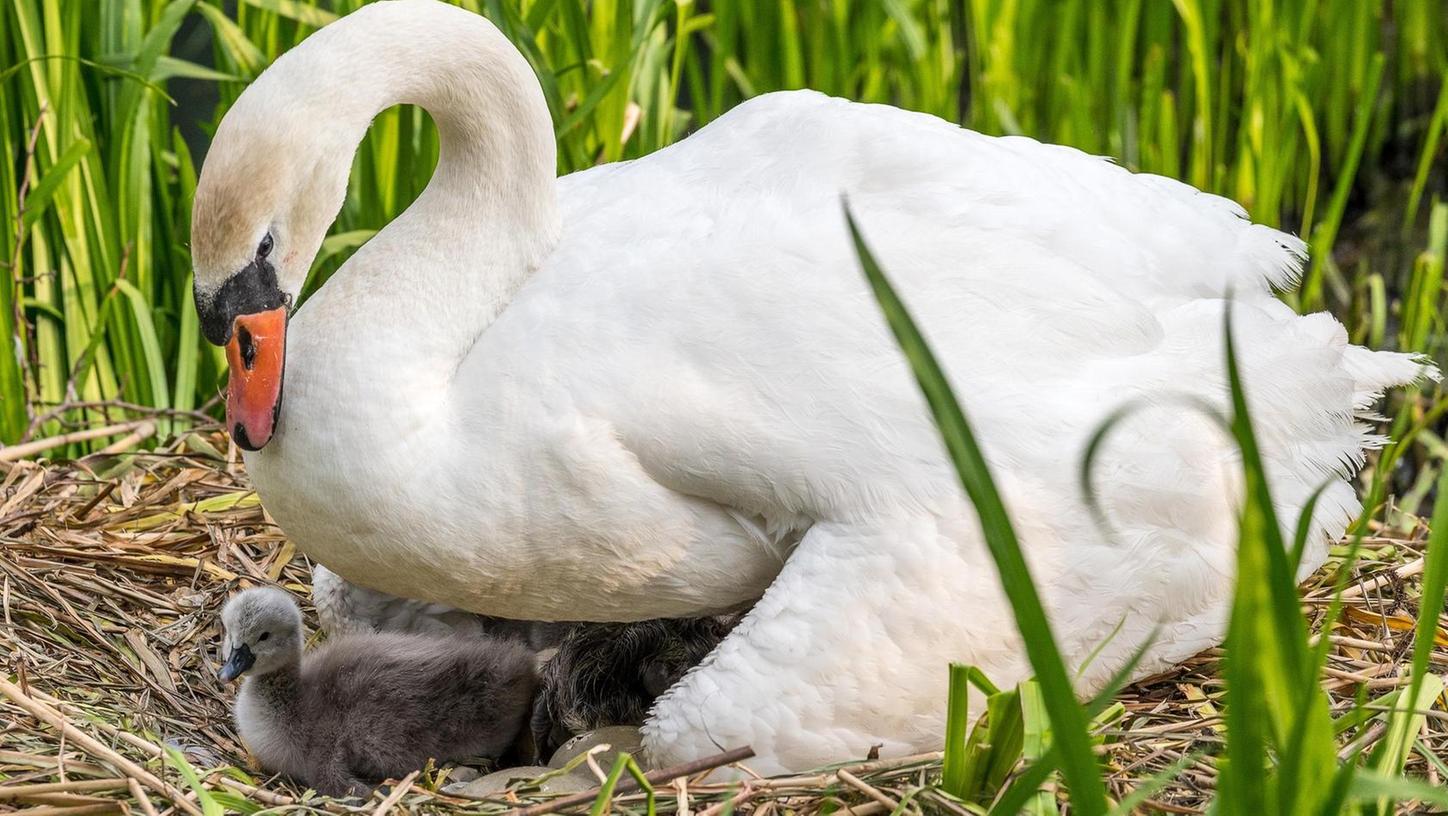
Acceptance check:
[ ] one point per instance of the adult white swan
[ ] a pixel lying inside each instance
(661, 387)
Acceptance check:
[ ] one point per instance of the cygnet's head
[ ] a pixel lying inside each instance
(262, 632)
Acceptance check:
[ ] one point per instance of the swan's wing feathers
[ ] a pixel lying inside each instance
(1054, 286)
(787, 155)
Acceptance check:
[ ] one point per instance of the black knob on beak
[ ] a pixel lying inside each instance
(252, 290)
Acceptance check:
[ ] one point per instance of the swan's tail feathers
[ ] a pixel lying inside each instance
(1278, 258)
(1373, 372)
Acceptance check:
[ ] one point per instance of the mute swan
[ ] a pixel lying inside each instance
(361, 708)
(661, 387)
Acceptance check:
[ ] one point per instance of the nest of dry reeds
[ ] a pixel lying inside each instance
(113, 569)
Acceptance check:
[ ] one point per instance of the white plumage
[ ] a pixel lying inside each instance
(662, 388)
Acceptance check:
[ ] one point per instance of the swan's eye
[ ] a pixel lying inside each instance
(263, 636)
(265, 247)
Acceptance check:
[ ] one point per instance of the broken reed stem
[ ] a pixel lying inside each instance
(662, 776)
(76, 810)
(142, 798)
(28, 449)
(95, 747)
(398, 791)
(131, 440)
(598, 772)
(681, 792)
(77, 786)
(262, 795)
(867, 789)
(1407, 570)
(729, 805)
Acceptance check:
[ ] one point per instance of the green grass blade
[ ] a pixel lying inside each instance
(1068, 718)
(1373, 788)
(209, 805)
(40, 195)
(1275, 706)
(957, 727)
(155, 361)
(306, 14)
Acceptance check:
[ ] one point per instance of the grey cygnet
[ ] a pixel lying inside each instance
(362, 708)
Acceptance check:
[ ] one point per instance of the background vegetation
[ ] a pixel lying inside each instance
(1322, 116)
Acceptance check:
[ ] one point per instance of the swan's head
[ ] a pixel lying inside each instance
(262, 632)
(266, 195)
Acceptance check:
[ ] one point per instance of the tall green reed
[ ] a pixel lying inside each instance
(1294, 107)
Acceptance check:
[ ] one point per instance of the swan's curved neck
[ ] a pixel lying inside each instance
(489, 215)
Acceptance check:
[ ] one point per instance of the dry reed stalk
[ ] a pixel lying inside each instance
(867, 789)
(262, 795)
(143, 799)
(76, 786)
(80, 810)
(29, 449)
(398, 791)
(731, 804)
(94, 746)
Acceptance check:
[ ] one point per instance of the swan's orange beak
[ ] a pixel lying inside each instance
(257, 355)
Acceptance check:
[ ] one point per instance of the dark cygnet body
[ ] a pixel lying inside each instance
(593, 675)
(611, 673)
(362, 708)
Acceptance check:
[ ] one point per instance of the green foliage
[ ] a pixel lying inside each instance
(1275, 703)
(1290, 106)
(210, 804)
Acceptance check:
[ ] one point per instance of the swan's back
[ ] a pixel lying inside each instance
(706, 301)
(800, 150)
(1054, 284)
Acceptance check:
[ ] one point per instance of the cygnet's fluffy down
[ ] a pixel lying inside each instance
(593, 674)
(611, 673)
(347, 608)
(363, 708)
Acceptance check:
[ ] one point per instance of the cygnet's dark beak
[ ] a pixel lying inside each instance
(237, 662)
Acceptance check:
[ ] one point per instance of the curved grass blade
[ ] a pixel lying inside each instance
(1275, 705)
(1068, 718)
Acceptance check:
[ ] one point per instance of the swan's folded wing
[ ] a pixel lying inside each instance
(706, 304)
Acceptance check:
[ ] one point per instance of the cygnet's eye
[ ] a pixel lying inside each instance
(265, 247)
(263, 636)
